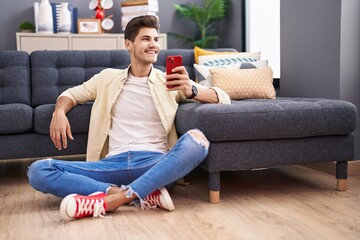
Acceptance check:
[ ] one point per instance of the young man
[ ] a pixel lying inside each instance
(133, 150)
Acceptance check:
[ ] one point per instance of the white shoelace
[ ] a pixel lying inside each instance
(99, 210)
(150, 202)
(96, 207)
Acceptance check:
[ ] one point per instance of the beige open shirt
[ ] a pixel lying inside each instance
(105, 87)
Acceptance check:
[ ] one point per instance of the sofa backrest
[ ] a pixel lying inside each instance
(14, 77)
(187, 59)
(55, 71)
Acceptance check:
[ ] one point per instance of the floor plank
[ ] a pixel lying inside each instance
(292, 202)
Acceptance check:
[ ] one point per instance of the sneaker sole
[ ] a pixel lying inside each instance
(63, 206)
(166, 196)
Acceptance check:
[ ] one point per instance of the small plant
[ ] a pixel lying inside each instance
(204, 17)
(26, 25)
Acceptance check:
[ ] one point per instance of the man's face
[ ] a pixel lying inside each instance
(145, 48)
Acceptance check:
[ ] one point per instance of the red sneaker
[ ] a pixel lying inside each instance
(75, 206)
(160, 198)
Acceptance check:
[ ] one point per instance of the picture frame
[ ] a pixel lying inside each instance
(89, 26)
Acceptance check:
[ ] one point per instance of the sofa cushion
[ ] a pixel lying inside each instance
(253, 119)
(55, 71)
(33, 145)
(15, 118)
(79, 118)
(14, 77)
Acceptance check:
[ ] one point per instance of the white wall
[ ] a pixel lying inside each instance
(263, 30)
(350, 59)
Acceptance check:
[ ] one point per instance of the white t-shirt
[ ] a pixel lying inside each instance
(136, 124)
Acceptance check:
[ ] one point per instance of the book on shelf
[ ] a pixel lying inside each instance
(140, 8)
(127, 3)
(134, 14)
(126, 19)
(131, 9)
(129, 17)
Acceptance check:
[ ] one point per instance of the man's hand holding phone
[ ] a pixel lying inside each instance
(177, 78)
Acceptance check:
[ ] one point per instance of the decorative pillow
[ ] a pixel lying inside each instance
(201, 52)
(227, 59)
(245, 83)
(203, 75)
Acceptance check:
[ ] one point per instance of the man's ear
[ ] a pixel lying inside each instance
(128, 44)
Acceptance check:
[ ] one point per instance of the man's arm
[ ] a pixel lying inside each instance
(206, 95)
(60, 129)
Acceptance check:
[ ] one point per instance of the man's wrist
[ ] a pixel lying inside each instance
(194, 92)
(58, 112)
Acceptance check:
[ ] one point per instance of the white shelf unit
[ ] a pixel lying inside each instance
(30, 42)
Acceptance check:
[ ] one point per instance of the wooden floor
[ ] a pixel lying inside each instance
(282, 203)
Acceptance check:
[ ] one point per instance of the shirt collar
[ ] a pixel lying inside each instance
(152, 76)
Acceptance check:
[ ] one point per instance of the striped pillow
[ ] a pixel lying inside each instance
(227, 59)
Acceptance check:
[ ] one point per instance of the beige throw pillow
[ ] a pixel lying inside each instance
(244, 83)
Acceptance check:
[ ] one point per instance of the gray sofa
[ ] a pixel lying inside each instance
(248, 134)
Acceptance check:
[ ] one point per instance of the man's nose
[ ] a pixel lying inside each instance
(152, 43)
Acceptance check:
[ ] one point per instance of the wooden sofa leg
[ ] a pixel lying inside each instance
(341, 175)
(214, 196)
(342, 184)
(214, 185)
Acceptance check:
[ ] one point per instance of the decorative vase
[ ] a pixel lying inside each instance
(64, 18)
(45, 24)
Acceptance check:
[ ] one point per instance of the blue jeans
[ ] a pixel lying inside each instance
(142, 172)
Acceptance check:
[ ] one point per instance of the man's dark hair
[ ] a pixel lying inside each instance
(133, 27)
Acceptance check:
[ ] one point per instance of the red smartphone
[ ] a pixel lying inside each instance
(171, 63)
